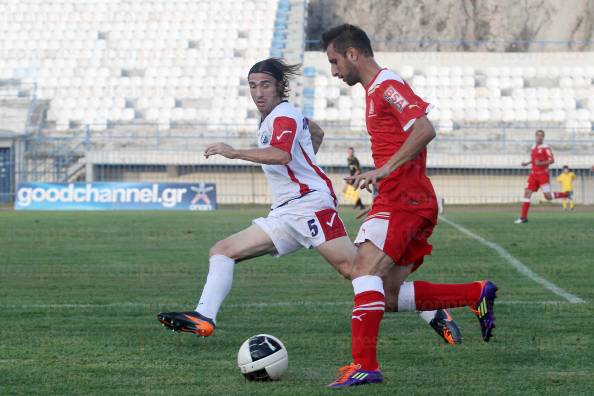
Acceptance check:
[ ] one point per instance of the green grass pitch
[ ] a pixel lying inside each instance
(79, 294)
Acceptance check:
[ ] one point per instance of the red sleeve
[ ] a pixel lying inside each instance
(284, 130)
(400, 100)
(549, 153)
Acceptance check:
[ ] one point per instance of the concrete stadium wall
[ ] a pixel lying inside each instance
(478, 60)
(248, 184)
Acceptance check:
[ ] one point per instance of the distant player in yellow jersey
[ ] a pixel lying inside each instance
(566, 180)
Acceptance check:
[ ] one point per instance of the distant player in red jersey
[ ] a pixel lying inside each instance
(541, 156)
(392, 241)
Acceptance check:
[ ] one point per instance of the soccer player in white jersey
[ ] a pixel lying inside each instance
(303, 212)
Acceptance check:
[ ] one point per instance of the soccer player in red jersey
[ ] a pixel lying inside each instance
(541, 156)
(303, 213)
(392, 241)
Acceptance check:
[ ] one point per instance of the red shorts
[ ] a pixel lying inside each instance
(536, 181)
(402, 235)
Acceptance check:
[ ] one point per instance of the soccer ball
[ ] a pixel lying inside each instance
(262, 357)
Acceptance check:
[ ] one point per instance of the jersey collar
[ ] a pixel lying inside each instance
(279, 103)
(374, 78)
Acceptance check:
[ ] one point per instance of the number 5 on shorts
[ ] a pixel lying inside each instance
(313, 227)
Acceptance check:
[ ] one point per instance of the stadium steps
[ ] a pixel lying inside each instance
(289, 39)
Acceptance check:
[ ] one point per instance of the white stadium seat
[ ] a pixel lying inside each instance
(100, 42)
(90, 59)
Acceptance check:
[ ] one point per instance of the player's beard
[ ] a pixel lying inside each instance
(351, 78)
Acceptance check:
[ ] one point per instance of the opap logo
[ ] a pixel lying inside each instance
(201, 201)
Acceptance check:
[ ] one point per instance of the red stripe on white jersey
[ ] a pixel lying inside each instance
(303, 188)
(320, 173)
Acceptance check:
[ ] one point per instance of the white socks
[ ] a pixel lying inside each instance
(368, 283)
(427, 316)
(406, 297)
(406, 302)
(217, 286)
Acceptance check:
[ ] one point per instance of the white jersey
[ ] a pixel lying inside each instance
(286, 128)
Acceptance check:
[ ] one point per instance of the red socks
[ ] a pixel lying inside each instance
(525, 207)
(526, 202)
(430, 296)
(370, 305)
(365, 321)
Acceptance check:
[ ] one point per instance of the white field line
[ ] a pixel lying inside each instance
(517, 264)
(243, 305)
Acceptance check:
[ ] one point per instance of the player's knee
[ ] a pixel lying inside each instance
(361, 268)
(548, 196)
(222, 248)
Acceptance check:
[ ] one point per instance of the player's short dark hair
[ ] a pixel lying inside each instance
(539, 130)
(280, 70)
(346, 36)
(565, 166)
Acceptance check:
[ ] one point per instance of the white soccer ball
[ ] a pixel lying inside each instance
(262, 357)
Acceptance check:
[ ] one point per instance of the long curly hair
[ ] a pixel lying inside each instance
(280, 70)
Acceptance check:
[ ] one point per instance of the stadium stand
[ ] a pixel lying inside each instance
(105, 62)
(102, 88)
(471, 89)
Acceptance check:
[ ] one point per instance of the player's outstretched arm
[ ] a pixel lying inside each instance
(551, 159)
(268, 155)
(317, 135)
(421, 134)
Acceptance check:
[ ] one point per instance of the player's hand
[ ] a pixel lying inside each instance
(526, 163)
(221, 149)
(367, 179)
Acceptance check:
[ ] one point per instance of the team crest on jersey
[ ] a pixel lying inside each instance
(265, 138)
(395, 99)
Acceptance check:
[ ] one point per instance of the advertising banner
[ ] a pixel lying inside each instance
(116, 196)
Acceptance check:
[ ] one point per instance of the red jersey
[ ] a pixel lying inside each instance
(540, 152)
(391, 110)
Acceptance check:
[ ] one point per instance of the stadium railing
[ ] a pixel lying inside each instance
(468, 168)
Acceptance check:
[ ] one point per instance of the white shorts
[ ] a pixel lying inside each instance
(306, 222)
(374, 230)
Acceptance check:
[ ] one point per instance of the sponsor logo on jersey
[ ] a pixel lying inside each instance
(395, 99)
